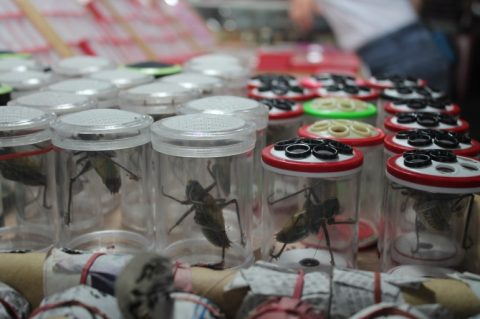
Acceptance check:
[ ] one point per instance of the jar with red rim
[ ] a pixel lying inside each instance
(381, 82)
(425, 139)
(427, 211)
(369, 140)
(284, 119)
(405, 93)
(311, 189)
(425, 120)
(278, 86)
(318, 80)
(354, 91)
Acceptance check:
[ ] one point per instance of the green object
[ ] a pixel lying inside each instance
(5, 89)
(339, 108)
(5, 94)
(11, 54)
(156, 69)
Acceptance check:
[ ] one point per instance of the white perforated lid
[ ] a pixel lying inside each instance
(23, 125)
(19, 65)
(57, 102)
(82, 65)
(101, 129)
(203, 83)
(249, 110)
(235, 75)
(28, 80)
(123, 78)
(203, 135)
(100, 90)
(155, 98)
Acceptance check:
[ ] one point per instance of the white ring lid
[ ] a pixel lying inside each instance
(203, 136)
(28, 80)
(101, 90)
(123, 78)
(57, 102)
(409, 93)
(82, 65)
(23, 126)
(101, 129)
(203, 83)
(247, 109)
(19, 65)
(227, 72)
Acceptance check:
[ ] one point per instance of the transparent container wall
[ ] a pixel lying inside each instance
(311, 221)
(27, 193)
(423, 228)
(371, 194)
(283, 129)
(257, 196)
(103, 199)
(381, 113)
(203, 205)
(234, 89)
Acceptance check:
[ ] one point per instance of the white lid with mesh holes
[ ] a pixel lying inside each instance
(82, 65)
(215, 59)
(203, 136)
(249, 110)
(155, 98)
(123, 78)
(235, 75)
(28, 80)
(100, 90)
(23, 126)
(101, 129)
(19, 65)
(57, 102)
(203, 83)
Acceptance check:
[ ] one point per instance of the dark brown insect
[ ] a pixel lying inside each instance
(314, 217)
(208, 214)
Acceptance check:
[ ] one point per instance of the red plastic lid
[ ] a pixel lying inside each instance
(400, 145)
(370, 135)
(307, 94)
(391, 123)
(411, 93)
(282, 109)
(266, 78)
(358, 92)
(385, 82)
(321, 157)
(395, 108)
(329, 78)
(441, 173)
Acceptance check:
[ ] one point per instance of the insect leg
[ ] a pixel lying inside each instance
(467, 241)
(285, 197)
(130, 174)
(237, 210)
(183, 202)
(180, 220)
(277, 255)
(85, 168)
(417, 235)
(327, 240)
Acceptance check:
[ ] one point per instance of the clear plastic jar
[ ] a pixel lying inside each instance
(234, 76)
(427, 210)
(27, 184)
(204, 84)
(204, 171)
(339, 108)
(60, 103)
(100, 157)
(155, 69)
(311, 191)
(78, 66)
(393, 94)
(382, 82)
(18, 64)
(369, 140)
(123, 78)
(327, 79)
(252, 112)
(104, 92)
(26, 82)
(459, 143)
(425, 120)
(441, 106)
(5, 94)
(284, 119)
(157, 99)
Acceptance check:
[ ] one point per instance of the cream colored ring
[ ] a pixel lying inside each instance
(341, 122)
(327, 104)
(361, 129)
(347, 106)
(338, 130)
(319, 126)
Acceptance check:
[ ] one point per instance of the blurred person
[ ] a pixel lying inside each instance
(387, 34)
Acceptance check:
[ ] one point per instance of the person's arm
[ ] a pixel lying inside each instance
(417, 4)
(302, 12)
